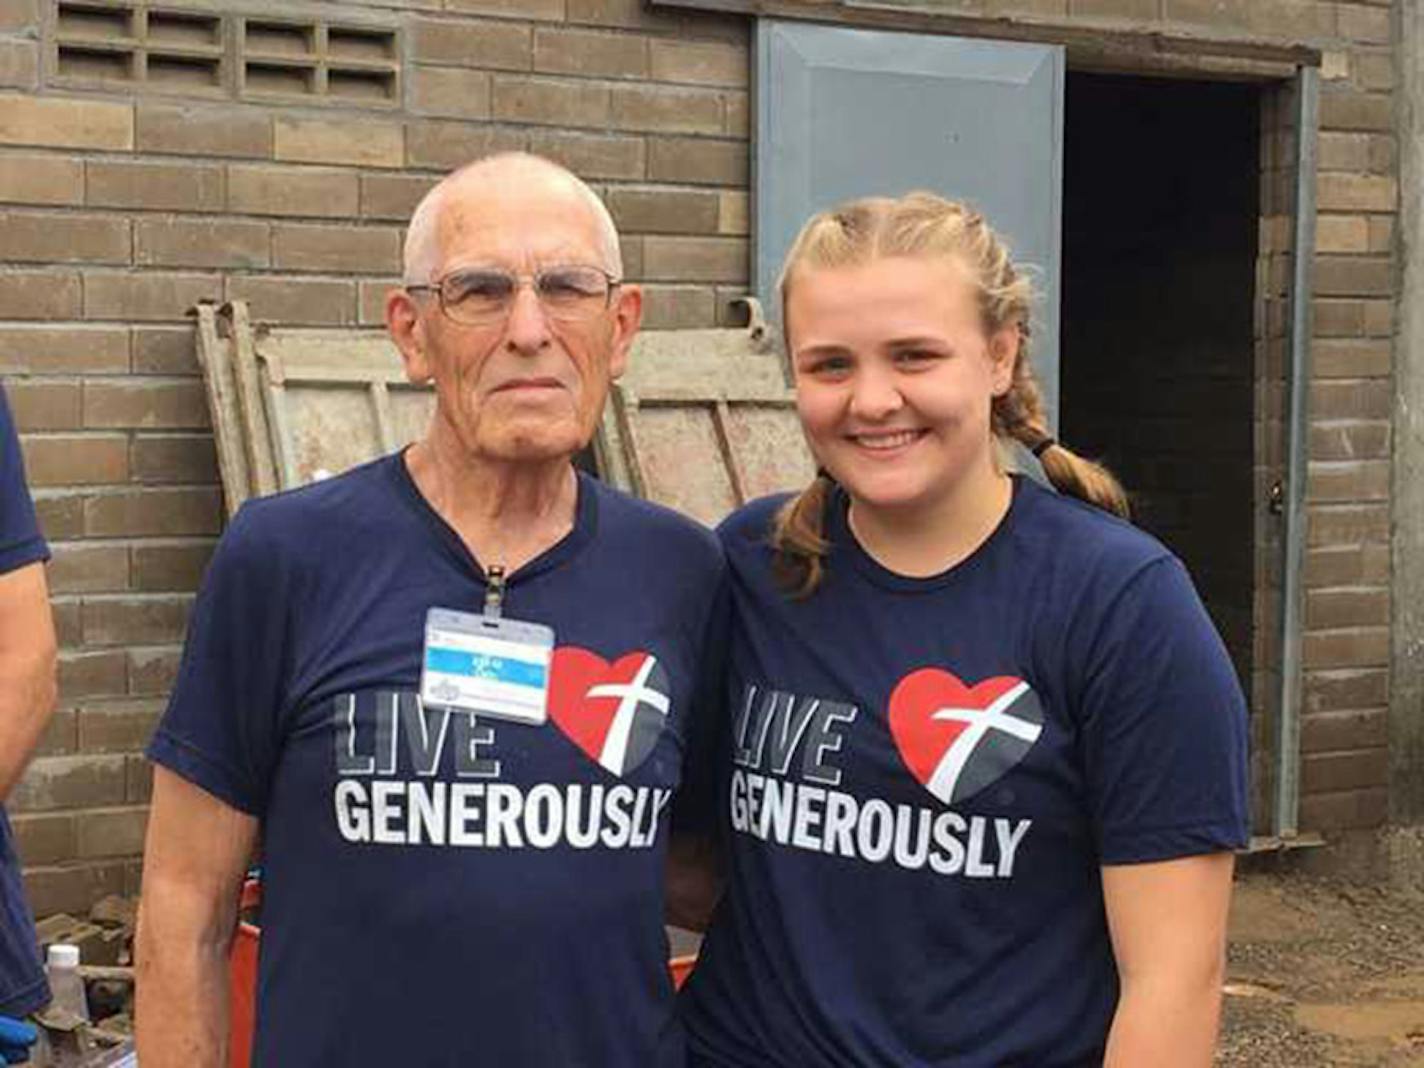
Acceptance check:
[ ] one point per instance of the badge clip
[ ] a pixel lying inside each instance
(494, 593)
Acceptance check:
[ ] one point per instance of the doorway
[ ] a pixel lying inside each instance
(1161, 209)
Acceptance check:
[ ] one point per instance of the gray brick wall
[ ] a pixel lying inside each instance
(119, 209)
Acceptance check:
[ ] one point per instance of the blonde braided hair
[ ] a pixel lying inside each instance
(926, 224)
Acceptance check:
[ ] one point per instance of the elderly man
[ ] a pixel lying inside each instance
(454, 691)
(27, 689)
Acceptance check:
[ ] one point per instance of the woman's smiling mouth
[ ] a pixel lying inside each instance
(885, 440)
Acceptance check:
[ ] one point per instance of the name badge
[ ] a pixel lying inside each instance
(490, 666)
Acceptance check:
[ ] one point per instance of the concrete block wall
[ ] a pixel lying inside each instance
(1346, 648)
(120, 206)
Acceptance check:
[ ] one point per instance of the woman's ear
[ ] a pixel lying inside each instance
(1004, 345)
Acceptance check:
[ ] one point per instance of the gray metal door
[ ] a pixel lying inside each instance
(844, 113)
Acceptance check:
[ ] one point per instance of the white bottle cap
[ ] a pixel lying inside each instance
(63, 955)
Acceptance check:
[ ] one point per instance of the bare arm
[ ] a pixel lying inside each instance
(198, 848)
(694, 881)
(1168, 926)
(27, 666)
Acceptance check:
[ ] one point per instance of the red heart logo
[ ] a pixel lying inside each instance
(957, 739)
(613, 712)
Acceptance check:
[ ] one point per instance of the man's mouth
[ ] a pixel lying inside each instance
(886, 440)
(529, 384)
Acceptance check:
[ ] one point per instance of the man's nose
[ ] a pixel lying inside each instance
(527, 328)
(874, 395)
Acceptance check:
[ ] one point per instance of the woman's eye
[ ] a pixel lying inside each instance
(915, 357)
(828, 366)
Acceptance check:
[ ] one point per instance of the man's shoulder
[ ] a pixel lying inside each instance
(648, 525)
(300, 522)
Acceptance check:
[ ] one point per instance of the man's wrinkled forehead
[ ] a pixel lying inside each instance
(519, 218)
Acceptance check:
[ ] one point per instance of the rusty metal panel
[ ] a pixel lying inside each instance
(702, 421)
(220, 385)
(410, 414)
(332, 398)
(261, 471)
(321, 431)
(706, 452)
(676, 459)
(770, 449)
(291, 405)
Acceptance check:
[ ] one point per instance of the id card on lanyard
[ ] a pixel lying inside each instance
(487, 664)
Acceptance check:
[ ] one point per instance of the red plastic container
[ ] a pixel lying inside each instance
(681, 968)
(242, 973)
(242, 979)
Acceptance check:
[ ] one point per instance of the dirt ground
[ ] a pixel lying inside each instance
(1323, 972)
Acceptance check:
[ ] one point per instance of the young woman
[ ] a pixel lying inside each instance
(989, 753)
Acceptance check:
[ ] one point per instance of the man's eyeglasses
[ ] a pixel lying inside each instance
(483, 295)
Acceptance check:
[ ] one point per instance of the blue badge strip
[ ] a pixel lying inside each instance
(484, 666)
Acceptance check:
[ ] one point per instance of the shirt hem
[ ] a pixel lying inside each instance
(27, 999)
(1144, 847)
(192, 764)
(31, 551)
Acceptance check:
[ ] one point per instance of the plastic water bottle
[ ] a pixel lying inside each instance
(64, 1041)
(65, 985)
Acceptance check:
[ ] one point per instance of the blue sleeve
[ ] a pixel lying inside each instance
(20, 539)
(1164, 726)
(708, 754)
(221, 730)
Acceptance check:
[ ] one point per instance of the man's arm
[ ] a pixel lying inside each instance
(27, 668)
(197, 851)
(1168, 926)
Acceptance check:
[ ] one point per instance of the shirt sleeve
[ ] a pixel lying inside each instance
(221, 730)
(20, 539)
(1164, 726)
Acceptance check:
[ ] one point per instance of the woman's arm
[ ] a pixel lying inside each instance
(1167, 920)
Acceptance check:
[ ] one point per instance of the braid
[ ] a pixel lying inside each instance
(926, 224)
(1019, 414)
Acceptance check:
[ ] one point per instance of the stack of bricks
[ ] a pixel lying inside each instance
(120, 206)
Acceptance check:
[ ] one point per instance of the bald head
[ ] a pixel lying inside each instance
(485, 181)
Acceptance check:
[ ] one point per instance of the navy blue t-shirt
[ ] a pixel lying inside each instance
(22, 981)
(439, 888)
(928, 775)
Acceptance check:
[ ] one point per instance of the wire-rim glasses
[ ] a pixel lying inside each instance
(477, 296)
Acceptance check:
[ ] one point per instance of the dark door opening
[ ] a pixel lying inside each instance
(1160, 229)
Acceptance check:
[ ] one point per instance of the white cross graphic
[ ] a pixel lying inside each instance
(951, 765)
(615, 746)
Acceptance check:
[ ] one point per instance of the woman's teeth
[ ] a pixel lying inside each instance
(885, 441)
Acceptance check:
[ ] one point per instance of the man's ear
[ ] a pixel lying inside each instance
(407, 330)
(1004, 345)
(627, 317)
